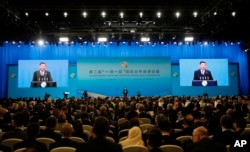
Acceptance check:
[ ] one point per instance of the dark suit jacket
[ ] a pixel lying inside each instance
(168, 140)
(64, 142)
(16, 133)
(38, 77)
(205, 145)
(40, 147)
(226, 137)
(206, 76)
(99, 145)
(49, 133)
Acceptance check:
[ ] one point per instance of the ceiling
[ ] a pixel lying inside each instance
(15, 25)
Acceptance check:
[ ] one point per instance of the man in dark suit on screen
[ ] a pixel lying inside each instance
(42, 74)
(203, 73)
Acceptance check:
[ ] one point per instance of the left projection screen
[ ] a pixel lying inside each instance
(110, 76)
(56, 69)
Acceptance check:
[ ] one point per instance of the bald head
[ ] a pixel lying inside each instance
(67, 130)
(200, 133)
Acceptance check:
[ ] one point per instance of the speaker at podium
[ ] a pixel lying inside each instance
(42, 84)
(204, 83)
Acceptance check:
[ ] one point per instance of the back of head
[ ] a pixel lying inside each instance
(101, 127)
(19, 119)
(33, 130)
(160, 117)
(134, 122)
(132, 114)
(188, 120)
(67, 130)
(200, 133)
(226, 121)
(51, 122)
(135, 132)
(154, 137)
(78, 126)
(165, 125)
(241, 123)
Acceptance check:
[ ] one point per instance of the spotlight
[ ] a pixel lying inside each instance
(65, 14)
(84, 14)
(102, 39)
(26, 14)
(158, 14)
(233, 13)
(121, 14)
(103, 14)
(140, 14)
(188, 39)
(63, 39)
(46, 14)
(145, 39)
(177, 14)
(195, 14)
(40, 42)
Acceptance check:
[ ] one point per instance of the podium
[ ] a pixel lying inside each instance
(38, 84)
(204, 83)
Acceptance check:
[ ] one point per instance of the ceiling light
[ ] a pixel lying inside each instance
(103, 14)
(84, 14)
(40, 42)
(177, 14)
(63, 39)
(189, 39)
(65, 14)
(46, 14)
(158, 14)
(121, 14)
(233, 13)
(195, 14)
(141, 14)
(26, 14)
(215, 13)
(102, 39)
(145, 39)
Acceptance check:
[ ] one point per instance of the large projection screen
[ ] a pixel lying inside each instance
(149, 76)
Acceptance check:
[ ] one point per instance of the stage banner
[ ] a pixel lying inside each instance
(145, 76)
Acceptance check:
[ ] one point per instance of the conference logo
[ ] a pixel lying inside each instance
(124, 64)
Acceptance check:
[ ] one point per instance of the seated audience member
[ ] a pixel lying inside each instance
(18, 132)
(132, 122)
(240, 125)
(202, 143)
(143, 113)
(134, 137)
(99, 141)
(154, 140)
(31, 142)
(78, 130)
(188, 123)
(164, 125)
(66, 131)
(5, 123)
(131, 114)
(227, 136)
(214, 122)
(61, 120)
(49, 132)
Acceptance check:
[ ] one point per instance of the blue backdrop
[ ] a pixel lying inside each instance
(10, 54)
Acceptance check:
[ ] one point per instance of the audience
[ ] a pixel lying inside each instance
(167, 112)
(228, 136)
(99, 141)
(31, 142)
(154, 140)
(66, 131)
(18, 131)
(164, 125)
(202, 143)
(134, 137)
(78, 130)
(49, 131)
